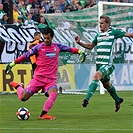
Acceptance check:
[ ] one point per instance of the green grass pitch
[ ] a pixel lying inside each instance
(98, 117)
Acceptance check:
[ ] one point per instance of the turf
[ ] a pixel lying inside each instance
(98, 117)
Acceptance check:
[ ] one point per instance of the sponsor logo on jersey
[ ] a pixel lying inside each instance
(50, 54)
(105, 38)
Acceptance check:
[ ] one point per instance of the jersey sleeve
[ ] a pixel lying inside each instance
(64, 48)
(95, 40)
(33, 50)
(119, 33)
(27, 54)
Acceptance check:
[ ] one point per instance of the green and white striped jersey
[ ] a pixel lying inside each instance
(105, 43)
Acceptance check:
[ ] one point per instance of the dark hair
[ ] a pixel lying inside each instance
(48, 30)
(107, 19)
(39, 17)
(36, 33)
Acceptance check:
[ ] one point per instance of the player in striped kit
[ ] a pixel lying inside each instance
(47, 54)
(104, 42)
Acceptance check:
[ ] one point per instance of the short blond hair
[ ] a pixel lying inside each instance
(107, 19)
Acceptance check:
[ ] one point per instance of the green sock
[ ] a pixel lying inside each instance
(92, 88)
(112, 92)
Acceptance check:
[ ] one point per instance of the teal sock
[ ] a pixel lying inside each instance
(112, 92)
(92, 89)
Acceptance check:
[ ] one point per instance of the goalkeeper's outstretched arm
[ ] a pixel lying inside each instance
(22, 58)
(12, 64)
(82, 55)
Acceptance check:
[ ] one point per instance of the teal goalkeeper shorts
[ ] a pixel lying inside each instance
(106, 70)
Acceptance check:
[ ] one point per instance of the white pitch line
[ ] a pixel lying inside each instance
(68, 129)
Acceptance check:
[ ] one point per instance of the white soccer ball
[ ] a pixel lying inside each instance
(23, 114)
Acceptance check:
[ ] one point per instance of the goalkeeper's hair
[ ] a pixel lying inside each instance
(107, 19)
(48, 30)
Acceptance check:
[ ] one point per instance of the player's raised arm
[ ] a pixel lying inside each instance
(89, 46)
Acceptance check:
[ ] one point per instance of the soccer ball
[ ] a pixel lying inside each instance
(23, 114)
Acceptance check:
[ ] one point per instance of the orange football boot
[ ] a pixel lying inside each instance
(16, 85)
(47, 117)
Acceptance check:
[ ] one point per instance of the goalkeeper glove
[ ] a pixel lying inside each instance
(9, 67)
(82, 56)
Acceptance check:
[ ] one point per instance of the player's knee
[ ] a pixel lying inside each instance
(24, 99)
(52, 90)
(25, 96)
(107, 85)
(98, 75)
(53, 95)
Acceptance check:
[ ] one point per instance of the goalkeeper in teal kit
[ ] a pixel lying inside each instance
(104, 42)
(45, 74)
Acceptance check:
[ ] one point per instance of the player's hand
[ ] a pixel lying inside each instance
(77, 39)
(82, 56)
(9, 67)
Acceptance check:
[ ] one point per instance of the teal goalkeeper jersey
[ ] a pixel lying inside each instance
(105, 43)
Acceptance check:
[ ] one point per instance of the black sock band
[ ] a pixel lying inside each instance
(43, 112)
(17, 86)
